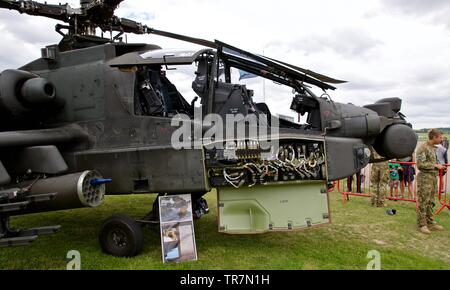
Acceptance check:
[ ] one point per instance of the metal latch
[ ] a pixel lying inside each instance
(165, 61)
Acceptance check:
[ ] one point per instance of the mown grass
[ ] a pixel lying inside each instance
(356, 230)
(423, 137)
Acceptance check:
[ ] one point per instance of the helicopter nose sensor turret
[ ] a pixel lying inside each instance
(396, 141)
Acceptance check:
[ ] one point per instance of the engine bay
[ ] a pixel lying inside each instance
(250, 163)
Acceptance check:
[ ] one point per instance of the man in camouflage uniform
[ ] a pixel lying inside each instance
(427, 183)
(379, 178)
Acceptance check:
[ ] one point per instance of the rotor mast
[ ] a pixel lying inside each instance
(83, 22)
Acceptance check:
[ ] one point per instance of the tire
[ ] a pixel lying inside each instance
(121, 236)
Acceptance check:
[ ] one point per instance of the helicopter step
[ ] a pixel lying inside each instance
(39, 231)
(11, 207)
(16, 242)
(10, 237)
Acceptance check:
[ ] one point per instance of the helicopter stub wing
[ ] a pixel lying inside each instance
(62, 135)
(36, 150)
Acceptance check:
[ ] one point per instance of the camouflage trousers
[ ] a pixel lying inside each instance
(379, 178)
(426, 190)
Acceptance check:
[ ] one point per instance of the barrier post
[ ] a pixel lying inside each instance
(442, 191)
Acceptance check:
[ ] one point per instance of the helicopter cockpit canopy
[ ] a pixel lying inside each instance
(272, 69)
(280, 73)
(156, 96)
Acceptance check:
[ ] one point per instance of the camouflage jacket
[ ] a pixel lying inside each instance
(379, 165)
(426, 158)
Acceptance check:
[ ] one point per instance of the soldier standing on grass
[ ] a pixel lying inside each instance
(426, 180)
(379, 178)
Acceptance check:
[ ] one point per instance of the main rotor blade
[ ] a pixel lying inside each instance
(194, 40)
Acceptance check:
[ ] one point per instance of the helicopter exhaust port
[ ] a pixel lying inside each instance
(23, 92)
(38, 91)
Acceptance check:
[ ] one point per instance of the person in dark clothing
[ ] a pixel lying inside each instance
(445, 143)
(358, 182)
(407, 175)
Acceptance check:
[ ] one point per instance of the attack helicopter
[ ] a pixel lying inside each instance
(95, 116)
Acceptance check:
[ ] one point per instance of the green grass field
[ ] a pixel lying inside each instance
(344, 244)
(423, 137)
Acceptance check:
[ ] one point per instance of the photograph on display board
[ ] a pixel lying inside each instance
(177, 229)
(175, 208)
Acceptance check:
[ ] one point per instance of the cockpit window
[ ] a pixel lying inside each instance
(155, 95)
(234, 53)
(270, 97)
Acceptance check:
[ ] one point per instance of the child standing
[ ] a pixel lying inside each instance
(394, 177)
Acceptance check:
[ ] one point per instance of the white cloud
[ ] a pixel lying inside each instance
(384, 48)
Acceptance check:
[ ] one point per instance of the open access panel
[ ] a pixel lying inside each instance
(280, 189)
(278, 207)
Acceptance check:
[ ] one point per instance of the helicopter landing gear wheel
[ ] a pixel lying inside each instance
(121, 236)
